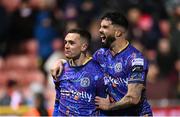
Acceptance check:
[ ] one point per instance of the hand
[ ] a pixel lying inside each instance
(102, 103)
(57, 68)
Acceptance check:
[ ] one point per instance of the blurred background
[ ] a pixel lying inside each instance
(31, 39)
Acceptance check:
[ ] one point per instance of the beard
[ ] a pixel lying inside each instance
(108, 42)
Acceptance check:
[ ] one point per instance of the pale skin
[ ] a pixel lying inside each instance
(75, 49)
(133, 95)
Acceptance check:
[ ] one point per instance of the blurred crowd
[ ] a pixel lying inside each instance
(31, 39)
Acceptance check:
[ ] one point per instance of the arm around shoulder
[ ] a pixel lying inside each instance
(57, 68)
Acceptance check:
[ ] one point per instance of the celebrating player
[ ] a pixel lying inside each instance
(126, 67)
(81, 79)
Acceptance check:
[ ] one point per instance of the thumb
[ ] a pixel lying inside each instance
(107, 97)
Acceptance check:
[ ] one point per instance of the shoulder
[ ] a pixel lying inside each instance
(135, 57)
(134, 53)
(99, 54)
(101, 51)
(66, 65)
(94, 67)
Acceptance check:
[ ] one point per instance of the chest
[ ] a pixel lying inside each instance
(116, 66)
(77, 80)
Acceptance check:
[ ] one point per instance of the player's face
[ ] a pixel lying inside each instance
(72, 45)
(107, 32)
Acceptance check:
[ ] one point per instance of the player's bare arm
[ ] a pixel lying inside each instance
(57, 68)
(132, 97)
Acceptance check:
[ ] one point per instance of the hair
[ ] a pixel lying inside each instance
(116, 18)
(85, 35)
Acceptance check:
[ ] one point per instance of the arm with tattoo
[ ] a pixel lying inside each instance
(132, 97)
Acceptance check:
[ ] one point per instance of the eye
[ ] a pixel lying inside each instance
(71, 42)
(65, 42)
(105, 26)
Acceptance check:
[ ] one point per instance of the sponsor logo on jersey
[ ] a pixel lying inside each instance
(115, 81)
(137, 61)
(77, 95)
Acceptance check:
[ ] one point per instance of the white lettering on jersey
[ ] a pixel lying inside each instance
(115, 81)
(137, 61)
(83, 94)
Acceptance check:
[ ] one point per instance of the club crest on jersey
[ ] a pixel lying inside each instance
(118, 67)
(85, 82)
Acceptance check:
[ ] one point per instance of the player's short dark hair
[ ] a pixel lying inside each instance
(116, 18)
(84, 34)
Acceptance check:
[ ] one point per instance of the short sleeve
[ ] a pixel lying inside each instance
(98, 55)
(138, 70)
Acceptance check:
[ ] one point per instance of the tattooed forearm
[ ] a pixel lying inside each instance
(123, 103)
(131, 98)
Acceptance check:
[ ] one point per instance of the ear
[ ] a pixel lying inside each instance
(118, 34)
(84, 47)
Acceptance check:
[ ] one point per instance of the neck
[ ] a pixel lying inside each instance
(118, 45)
(81, 60)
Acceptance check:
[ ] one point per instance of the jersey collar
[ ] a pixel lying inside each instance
(122, 49)
(72, 64)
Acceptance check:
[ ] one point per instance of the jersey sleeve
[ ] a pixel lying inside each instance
(98, 55)
(65, 64)
(138, 70)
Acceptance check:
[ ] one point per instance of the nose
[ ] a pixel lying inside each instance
(100, 30)
(66, 46)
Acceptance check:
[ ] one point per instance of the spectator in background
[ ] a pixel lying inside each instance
(58, 53)
(150, 31)
(40, 108)
(164, 58)
(175, 42)
(7, 9)
(44, 30)
(13, 97)
(88, 8)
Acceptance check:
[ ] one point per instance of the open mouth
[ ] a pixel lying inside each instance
(103, 38)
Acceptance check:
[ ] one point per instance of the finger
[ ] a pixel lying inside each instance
(97, 97)
(96, 103)
(97, 107)
(107, 97)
